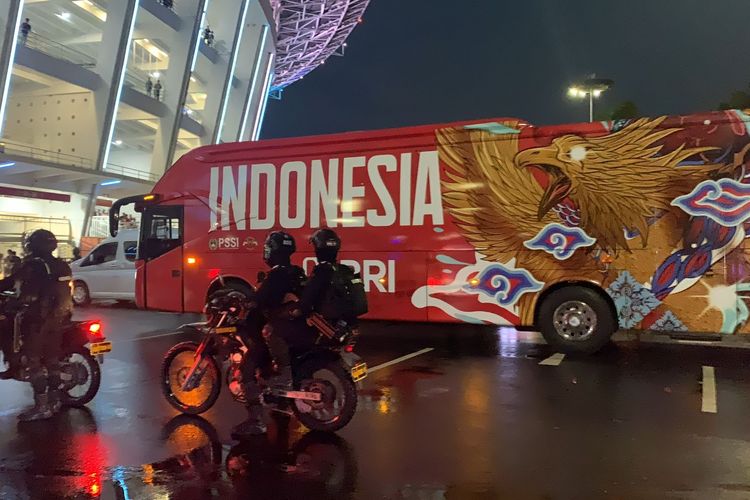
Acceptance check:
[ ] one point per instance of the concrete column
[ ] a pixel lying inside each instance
(11, 12)
(113, 58)
(257, 103)
(90, 207)
(249, 51)
(176, 79)
(264, 49)
(225, 19)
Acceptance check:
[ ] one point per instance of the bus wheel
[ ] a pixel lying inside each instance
(576, 320)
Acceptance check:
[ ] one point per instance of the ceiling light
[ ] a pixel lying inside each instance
(118, 142)
(7, 164)
(110, 183)
(65, 16)
(92, 9)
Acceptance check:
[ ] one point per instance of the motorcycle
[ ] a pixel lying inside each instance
(83, 348)
(323, 396)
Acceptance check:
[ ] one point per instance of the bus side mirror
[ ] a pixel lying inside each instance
(114, 223)
(261, 276)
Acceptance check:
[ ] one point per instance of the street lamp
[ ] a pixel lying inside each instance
(591, 88)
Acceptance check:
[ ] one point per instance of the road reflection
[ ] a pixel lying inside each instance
(66, 458)
(286, 464)
(61, 458)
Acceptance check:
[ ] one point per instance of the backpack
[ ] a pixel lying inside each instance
(346, 296)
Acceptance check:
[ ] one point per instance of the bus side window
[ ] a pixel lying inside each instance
(162, 234)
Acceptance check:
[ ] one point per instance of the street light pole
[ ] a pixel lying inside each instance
(591, 88)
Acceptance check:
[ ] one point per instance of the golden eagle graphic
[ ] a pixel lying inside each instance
(616, 181)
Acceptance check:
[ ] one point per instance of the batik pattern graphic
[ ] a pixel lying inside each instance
(703, 241)
(669, 323)
(632, 300)
(726, 201)
(559, 241)
(503, 284)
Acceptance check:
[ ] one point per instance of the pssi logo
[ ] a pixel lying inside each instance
(226, 243)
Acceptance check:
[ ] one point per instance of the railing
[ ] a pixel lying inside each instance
(35, 153)
(193, 114)
(133, 173)
(57, 50)
(45, 155)
(138, 83)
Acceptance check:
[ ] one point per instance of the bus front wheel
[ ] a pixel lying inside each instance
(576, 320)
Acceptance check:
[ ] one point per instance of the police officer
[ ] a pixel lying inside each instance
(327, 245)
(43, 285)
(282, 285)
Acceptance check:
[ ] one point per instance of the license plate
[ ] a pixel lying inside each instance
(359, 371)
(100, 348)
(226, 329)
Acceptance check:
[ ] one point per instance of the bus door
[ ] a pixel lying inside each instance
(162, 235)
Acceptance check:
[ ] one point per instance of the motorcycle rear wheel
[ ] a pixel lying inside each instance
(177, 363)
(93, 377)
(339, 402)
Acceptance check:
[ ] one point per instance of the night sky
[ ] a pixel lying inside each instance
(432, 61)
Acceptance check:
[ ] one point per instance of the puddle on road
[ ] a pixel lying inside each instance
(72, 466)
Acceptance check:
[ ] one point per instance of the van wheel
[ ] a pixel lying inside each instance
(576, 320)
(81, 296)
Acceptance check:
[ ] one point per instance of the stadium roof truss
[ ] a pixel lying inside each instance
(310, 31)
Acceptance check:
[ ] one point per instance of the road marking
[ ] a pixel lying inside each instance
(553, 360)
(399, 360)
(147, 338)
(709, 390)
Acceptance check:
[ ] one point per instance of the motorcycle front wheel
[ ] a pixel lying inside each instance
(84, 369)
(338, 396)
(175, 369)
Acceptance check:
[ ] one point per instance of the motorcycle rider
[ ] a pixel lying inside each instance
(327, 245)
(43, 285)
(282, 285)
(323, 293)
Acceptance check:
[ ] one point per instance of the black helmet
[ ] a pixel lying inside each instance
(39, 242)
(277, 249)
(326, 243)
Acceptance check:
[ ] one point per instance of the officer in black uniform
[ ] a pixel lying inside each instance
(282, 285)
(43, 285)
(327, 245)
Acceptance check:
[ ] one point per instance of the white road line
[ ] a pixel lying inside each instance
(553, 360)
(147, 338)
(399, 360)
(709, 390)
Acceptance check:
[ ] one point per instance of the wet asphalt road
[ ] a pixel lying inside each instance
(475, 418)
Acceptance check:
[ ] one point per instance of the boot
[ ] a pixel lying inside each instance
(55, 401)
(40, 411)
(253, 426)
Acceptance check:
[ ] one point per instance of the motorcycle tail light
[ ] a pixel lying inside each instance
(95, 330)
(349, 348)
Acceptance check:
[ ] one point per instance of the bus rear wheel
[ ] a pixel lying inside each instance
(576, 320)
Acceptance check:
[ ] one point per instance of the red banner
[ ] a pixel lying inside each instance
(30, 193)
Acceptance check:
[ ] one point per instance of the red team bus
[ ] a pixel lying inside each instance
(576, 230)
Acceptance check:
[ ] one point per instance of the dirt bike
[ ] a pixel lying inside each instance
(83, 349)
(323, 396)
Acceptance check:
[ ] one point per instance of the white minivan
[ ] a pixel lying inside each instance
(108, 272)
